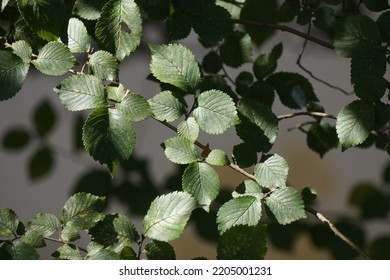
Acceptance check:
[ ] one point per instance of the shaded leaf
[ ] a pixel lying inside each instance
(44, 118)
(40, 163)
(272, 173)
(368, 60)
(159, 250)
(322, 137)
(236, 49)
(103, 65)
(288, 10)
(78, 38)
(376, 5)
(383, 24)
(212, 62)
(166, 106)
(324, 18)
(379, 248)
(8, 222)
(370, 87)
(15, 139)
(180, 150)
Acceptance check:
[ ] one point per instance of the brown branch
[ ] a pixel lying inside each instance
(312, 114)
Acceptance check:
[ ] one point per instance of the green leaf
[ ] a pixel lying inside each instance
(135, 106)
(23, 50)
(232, 8)
(248, 188)
(44, 118)
(178, 26)
(261, 11)
(265, 64)
(41, 163)
(212, 62)
(103, 65)
(236, 49)
(217, 157)
(98, 252)
(243, 243)
(354, 123)
(260, 115)
(189, 129)
(119, 28)
(167, 106)
(324, 18)
(175, 65)
(8, 222)
(158, 250)
(19, 250)
(54, 59)
(13, 72)
(216, 112)
(272, 173)
(88, 9)
(243, 210)
(156, 10)
(244, 155)
(304, 16)
(40, 17)
(383, 24)
(352, 32)
(370, 87)
(288, 10)
(168, 215)
(81, 92)
(78, 38)
(44, 224)
(287, 205)
(67, 252)
(116, 92)
(108, 136)
(376, 5)
(15, 139)
(322, 137)
(34, 239)
(180, 150)
(202, 181)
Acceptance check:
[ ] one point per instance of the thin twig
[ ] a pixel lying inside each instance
(63, 242)
(140, 243)
(313, 114)
(300, 126)
(227, 76)
(338, 233)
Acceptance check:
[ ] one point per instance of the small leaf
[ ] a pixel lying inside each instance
(88, 9)
(44, 224)
(16, 139)
(136, 107)
(265, 64)
(54, 59)
(217, 157)
(81, 92)
(115, 92)
(44, 118)
(376, 5)
(216, 112)
(288, 10)
(243, 210)
(13, 72)
(272, 173)
(354, 123)
(33, 239)
(78, 38)
(309, 194)
(324, 18)
(168, 215)
(236, 49)
(287, 205)
(175, 65)
(243, 243)
(67, 252)
(103, 65)
(19, 250)
(212, 62)
(244, 155)
(41, 163)
(321, 138)
(23, 50)
(167, 106)
(180, 150)
(98, 252)
(248, 188)
(368, 60)
(119, 28)
(202, 181)
(156, 10)
(158, 250)
(8, 222)
(189, 129)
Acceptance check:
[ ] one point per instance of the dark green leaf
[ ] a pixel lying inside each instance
(67, 252)
(44, 224)
(376, 5)
(231, 7)
(78, 38)
(189, 129)
(244, 79)
(158, 250)
(156, 10)
(263, 92)
(19, 250)
(272, 173)
(309, 194)
(168, 215)
(135, 106)
(304, 16)
(244, 155)
(88, 9)
(288, 10)
(78, 132)
(103, 65)
(324, 18)
(370, 87)
(180, 150)
(265, 64)
(379, 248)
(119, 28)
(41, 163)
(23, 50)
(44, 118)
(13, 72)
(178, 26)
(16, 139)
(167, 106)
(212, 62)
(8, 222)
(34, 239)
(368, 61)
(243, 243)
(383, 23)
(236, 49)
(321, 138)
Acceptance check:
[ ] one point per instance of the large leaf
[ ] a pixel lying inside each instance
(156, 10)
(243, 243)
(119, 28)
(272, 173)
(176, 65)
(216, 112)
(322, 137)
(13, 72)
(3, 4)
(44, 223)
(202, 181)
(34, 239)
(189, 129)
(168, 215)
(54, 59)
(136, 107)
(286, 204)
(8, 222)
(368, 60)
(23, 50)
(167, 106)
(180, 150)
(88, 9)
(158, 250)
(243, 210)
(78, 38)
(19, 250)
(81, 92)
(178, 26)
(103, 65)
(108, 136)
(244, 155)
(354, 123)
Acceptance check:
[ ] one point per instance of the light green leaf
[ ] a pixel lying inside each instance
(189, 129)
(217, 157)
(81, 92)
(78, 38)
(34, 239)
(54, 59)
(178, 26)
(243, 210)
(23, 50)
(272, 173)
(67, 252)
(202, 181)
(376, 5)
(354, 123)
(119, 28)
(236, 49)
(175, 65)
(103, 65)
(136, 107)
(167, 106)
(88, 9)
(155, 10)
(321, 138)
(248, 188)
(13, 72)
(158, 250)
(8, 222)
(115, 92)
(168, 215)
(216, 112)
(98, 252)
(108, 136)
(243, 243)
(19, 250)
(44, 223)
(180, 150)
(287, 205)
